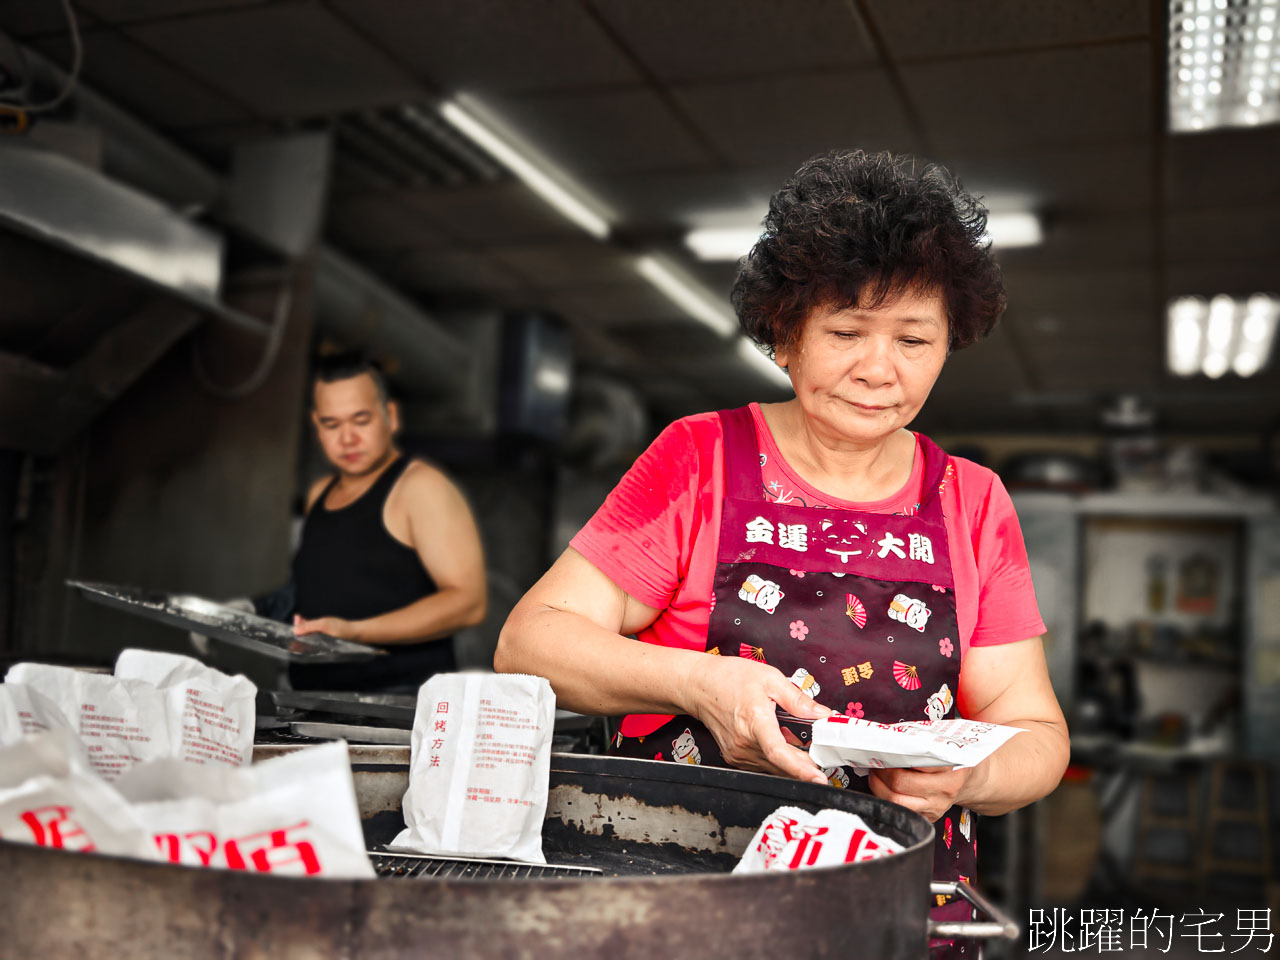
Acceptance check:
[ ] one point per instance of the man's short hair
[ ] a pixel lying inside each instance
(345, 366)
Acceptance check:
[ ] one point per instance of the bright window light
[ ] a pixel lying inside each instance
(1242, 87)
(1222, 334)
(538, 175)
(1006, 230)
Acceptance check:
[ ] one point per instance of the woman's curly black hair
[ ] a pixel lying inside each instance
(853, 229)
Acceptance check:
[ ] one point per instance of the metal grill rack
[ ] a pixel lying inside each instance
(285, 736)
(416, 866)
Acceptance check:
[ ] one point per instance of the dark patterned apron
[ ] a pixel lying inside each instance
(857, 609)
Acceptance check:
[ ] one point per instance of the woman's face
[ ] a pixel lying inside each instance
(863, 374)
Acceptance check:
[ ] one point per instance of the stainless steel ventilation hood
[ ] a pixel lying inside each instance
(63, 203)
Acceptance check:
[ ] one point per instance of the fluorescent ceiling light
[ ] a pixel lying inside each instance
(1224, 64)
(754, 356)
(701, 306)
(1186, 318)
(722, 243)
(541, 177)
(1223, 334)
(1006, 230)
(687, 295)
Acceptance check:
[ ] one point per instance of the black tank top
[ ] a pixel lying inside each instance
(349, 565)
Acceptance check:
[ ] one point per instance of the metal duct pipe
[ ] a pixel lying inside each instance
(136, 154)
(360, 310)
(350, 302)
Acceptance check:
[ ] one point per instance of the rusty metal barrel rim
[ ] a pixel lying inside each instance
(99, 907)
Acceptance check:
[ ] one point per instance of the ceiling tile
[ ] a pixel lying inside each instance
(1238, 233)
(722, 39)
(23, 19)
(446, 272)
(122, 11)
(582, 263)
(1052, 290)
(1074, 241)
(380, 223)
(1074, 96)
(943, 28)
(680, 338)
(505, 46)
(491, 213)
(1237, 279)
(784, 121)
(153, 89)
(286, 61)
(677, 199)
(1225, 168)
(620, 303)
(615, 131)
(215, 143)
(1068, 178)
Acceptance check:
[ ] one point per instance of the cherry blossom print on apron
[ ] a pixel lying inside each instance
(857, 609)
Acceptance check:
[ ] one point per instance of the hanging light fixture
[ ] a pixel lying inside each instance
(1223, 64)
(1220, 335)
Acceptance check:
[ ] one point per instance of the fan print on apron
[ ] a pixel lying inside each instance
(857, 609)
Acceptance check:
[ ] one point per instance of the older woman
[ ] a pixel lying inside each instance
(782, 556)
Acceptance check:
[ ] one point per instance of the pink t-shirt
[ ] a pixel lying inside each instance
(657, 534)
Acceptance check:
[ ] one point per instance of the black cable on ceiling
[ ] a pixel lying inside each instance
(73, 75)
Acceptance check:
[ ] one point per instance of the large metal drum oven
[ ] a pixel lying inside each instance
(639, 854)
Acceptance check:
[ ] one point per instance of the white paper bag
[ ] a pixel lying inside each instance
(31, 710)
(122, 722)
(210, 715)
(50, 797)
(795, 839)
(10, 723)
(847, 741)
(479, 766)
(294, 815)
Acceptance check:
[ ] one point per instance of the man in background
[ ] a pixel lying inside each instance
(390, 554)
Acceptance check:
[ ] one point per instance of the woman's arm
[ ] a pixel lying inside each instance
(1009, 684)
(569, 628)
(1006, 684)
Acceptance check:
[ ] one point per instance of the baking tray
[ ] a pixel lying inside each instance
(384, 706)
(354, 733)
(220, 622)
(398, 707)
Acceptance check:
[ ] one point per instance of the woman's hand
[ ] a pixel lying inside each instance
(738, 700)
(930, 792)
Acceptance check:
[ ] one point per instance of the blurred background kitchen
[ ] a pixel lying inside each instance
(529, 214)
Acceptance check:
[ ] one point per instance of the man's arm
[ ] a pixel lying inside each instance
(443, 533)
